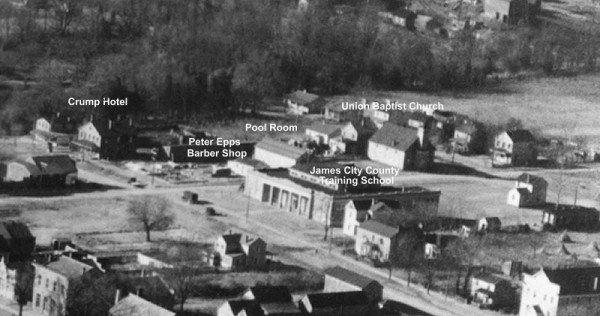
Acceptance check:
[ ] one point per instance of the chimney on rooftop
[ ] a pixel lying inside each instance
(117, 296)
(139, 291)
(421, 135)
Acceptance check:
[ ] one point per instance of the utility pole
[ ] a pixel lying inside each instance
(248, 208)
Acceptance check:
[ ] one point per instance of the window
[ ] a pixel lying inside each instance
(47, 282)
(381, 241)
(54, 286)
(37, 300)
(39, 278)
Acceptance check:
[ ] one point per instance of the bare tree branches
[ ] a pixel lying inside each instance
(150, 214)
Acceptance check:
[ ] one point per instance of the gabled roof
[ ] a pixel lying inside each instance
(349, 277)
(520, 135)
(364, 126)
(330, 130)
(362, 205)
(302, 97)
(339, 299)
(54, 164)
(403, 117)
(69, 267)
(252, 308)
(14, 230)
(134, 305)
(490, 277)
(270, 294)
(281, 148)
(529, 178)
(394, 136)
(256, 164)
(575, 281)
(379, 229)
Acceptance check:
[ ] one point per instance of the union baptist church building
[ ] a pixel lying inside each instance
(296, 190)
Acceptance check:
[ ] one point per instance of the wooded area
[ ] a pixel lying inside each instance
(204, 60)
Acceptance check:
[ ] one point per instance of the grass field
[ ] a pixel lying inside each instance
(548, 105)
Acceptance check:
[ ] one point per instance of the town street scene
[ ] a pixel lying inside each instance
(299, 157)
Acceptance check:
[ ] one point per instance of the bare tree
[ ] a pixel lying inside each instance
(407, 253)
(464, 252)
(151, 214)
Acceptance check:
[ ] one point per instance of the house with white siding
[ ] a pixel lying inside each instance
(401, 147)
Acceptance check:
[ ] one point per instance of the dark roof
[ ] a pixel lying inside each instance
(529, 178)
(520, 135)
(362, 205)
(349, 277)
(271, 294)
(339, 299)
(394, 136)
(379, 229)
(308, 167)
(69, 267)
(153, 286)
(55, 164)
(251, 307)
(114, 128)
(489, 277)
(397, 308)
(364, 126)
(257, 164)
(493, 220)
(233, 243)
(280, 148)
(331, 130)
(575, 281)
(403, 117)
(14, 230)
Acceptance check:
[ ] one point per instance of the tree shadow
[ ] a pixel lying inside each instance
(47, 191)
(458, 169)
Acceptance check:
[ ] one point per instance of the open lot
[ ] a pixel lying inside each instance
(548, 105)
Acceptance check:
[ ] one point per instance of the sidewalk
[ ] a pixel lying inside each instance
(12, 308)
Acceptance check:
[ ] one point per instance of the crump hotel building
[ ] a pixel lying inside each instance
(296, 190)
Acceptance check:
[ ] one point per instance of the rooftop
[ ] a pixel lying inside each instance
(273, 145)
(339, 299)
(395, 136)
(69, 267)
(575, 281)
(520, 135)
(134, 305)
(379, 229)
(353, 192)
(54, 164)
(302, 97)
(349, 276)
(331, 130)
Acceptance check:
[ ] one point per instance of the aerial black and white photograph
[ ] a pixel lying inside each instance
(299, 157)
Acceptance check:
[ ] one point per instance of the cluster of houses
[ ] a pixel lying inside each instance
(400, 138)
(39, 170)
(142, 290)
(345, 293)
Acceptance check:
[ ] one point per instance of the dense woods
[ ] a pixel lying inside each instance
(205, 60)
